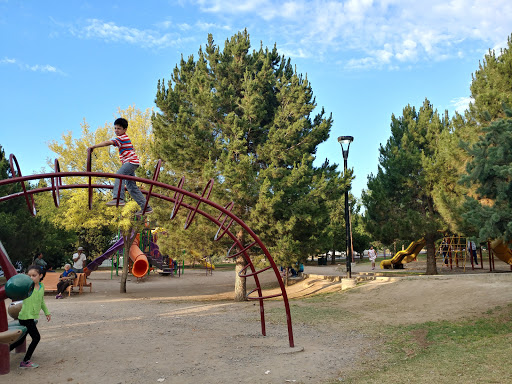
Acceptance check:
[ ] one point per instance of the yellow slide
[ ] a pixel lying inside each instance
(207, 265)
(403, 257)
(502, 250)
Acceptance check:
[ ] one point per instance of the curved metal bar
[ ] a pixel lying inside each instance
(229, 207)
(178, 200)
(253, 273)
(261, 297)
(242, 251)
(30, 204)
(192, 214)
(155, 178)
(89, 167)
(178, 192)
(56, 183)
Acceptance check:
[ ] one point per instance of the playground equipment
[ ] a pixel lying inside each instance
(405, 256)
(206, 262)
(140, 265)
(455, 250)
(502, 251)
(166, 264)
(224, 219)
(18, 287)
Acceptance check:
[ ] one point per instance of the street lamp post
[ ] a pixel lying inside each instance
(345, 145)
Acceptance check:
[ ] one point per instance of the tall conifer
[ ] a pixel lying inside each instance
(244, 118)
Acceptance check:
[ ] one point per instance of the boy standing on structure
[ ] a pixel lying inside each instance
(130, 162)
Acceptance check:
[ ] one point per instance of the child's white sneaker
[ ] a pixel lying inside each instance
(28, 364)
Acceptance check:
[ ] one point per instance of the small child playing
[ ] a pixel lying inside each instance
(29, 312)
(130, 162)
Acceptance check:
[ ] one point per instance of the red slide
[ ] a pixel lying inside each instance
(139, 259)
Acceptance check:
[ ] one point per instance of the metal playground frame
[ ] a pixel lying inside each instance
(224, 219)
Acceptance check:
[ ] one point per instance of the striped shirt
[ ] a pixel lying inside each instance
(126, 151)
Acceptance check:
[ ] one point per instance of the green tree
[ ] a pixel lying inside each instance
(490, 88)
(95, 228)
(399, 200)
(361, 239)
(244, 119)
(25, 236)
(490, 175)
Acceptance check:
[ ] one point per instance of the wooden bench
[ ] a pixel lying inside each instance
(82, 282)
(51, 280)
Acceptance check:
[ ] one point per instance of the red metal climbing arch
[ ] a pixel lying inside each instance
(224, 219)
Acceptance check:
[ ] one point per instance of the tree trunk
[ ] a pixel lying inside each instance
(240, 282)
(431, 256)
(333, 257)
(126, 255)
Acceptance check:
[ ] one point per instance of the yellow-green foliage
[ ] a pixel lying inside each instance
(72, 154)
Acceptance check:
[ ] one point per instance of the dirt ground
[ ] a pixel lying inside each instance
(187, 329)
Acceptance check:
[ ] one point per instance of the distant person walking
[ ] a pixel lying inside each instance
(444, 248)
(472, 250)
(43, 265)
(372, 255)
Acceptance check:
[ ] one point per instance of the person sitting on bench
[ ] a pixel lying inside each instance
(65, 280)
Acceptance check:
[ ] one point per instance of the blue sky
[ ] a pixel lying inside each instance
(65, 61)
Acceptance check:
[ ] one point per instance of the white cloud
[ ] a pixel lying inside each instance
(7, 60)
(204, 26)
(461, 103)
(376, 32)
(109, 31)
(164, 24)
(146, 38)
(46, 68)
(184, 27)
(41, 68)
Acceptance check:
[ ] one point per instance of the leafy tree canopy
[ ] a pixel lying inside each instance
(25, 236)
(95, 228)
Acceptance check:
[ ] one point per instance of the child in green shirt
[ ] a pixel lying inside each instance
(29, 312)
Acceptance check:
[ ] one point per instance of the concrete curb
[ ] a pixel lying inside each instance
(368, 276)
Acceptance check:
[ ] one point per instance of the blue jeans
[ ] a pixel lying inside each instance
(128, 169)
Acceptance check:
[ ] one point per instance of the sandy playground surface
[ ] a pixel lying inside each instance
(187, 329)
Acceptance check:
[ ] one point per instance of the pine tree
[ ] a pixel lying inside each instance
(399, 202)
(490, 174)
(243, 118)
(490, 89)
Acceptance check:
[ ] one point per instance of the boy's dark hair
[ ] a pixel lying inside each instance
(38, 269)
(122, 122)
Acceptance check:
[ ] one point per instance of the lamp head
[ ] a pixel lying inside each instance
(345, 142)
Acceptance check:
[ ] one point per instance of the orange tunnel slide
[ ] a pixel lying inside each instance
(140, 261)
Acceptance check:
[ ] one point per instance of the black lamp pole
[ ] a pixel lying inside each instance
(345, 142)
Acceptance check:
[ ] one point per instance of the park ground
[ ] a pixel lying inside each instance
(188, 330)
